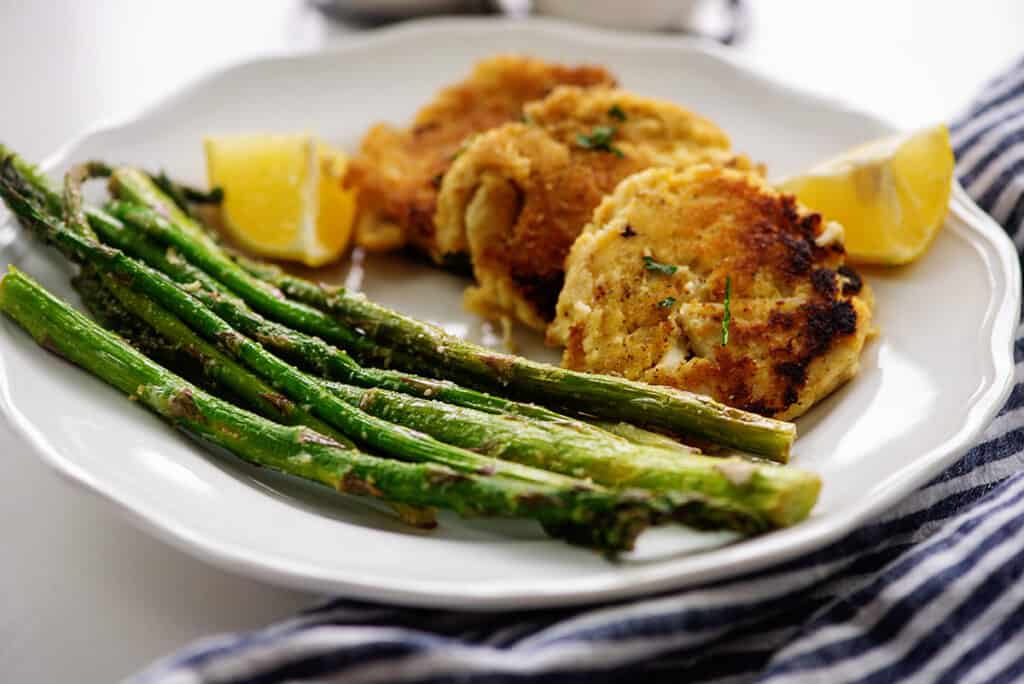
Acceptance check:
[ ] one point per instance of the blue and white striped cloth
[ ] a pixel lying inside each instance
(932, 592)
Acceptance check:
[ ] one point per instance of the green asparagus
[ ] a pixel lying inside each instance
(176, 347)
(359, 426)
(184, 196)
(316, 356)
(221, 369)
(616, 463)
(739, 495)
(106, 310)
(604, 520)
(430, 349)
(309, 351)
(762, 488)
(312, 353)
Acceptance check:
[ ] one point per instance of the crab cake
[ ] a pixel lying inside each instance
(398, 170)
(645, 285)
(518, 196)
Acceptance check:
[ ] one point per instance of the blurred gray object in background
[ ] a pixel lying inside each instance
(722, 20)
(394, 10)
(635, 15)
(726, 17)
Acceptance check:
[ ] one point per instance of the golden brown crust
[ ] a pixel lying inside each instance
(800, 316)
(518, 201)
(398, 170)
(518, 196)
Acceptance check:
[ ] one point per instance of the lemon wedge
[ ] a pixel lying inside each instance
(890, 195)
(283, 195)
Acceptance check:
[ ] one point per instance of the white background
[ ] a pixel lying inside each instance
(83, 595)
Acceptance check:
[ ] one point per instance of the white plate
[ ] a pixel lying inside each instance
(940, 370)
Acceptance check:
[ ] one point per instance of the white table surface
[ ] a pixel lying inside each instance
(86, 597)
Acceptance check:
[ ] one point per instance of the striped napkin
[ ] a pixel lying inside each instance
(932, 592)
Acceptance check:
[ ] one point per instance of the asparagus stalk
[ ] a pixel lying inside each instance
(34, 182)
(608, 521)
(755, 488)
(328, 361)
(430, 349)
(260, 396)
(177, 336)
(359, 426)
(315, 355)
(608, 397)
(642, 437)
(156, 328)
(184, 196)
(738, 495)
(140, 320)
(168, 341)
(567, 447)
(764, 489)
(106, 310)
(312, 353)
(74, 206)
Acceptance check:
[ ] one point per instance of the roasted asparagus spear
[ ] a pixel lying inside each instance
(336, 315)
(605, 520)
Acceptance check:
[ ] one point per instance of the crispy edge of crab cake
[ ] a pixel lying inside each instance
(520, 201)
(645, 289)
(518, 196)
(661, 127)
(398, 170)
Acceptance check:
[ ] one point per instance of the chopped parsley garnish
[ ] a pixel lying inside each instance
(523, 118)
(666, 269)
(628, 231)
(616, 113)
(667, 302)
(599, 139)
(727, 314)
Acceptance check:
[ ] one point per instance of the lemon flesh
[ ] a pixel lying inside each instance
(283, 195)
(891, 196)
